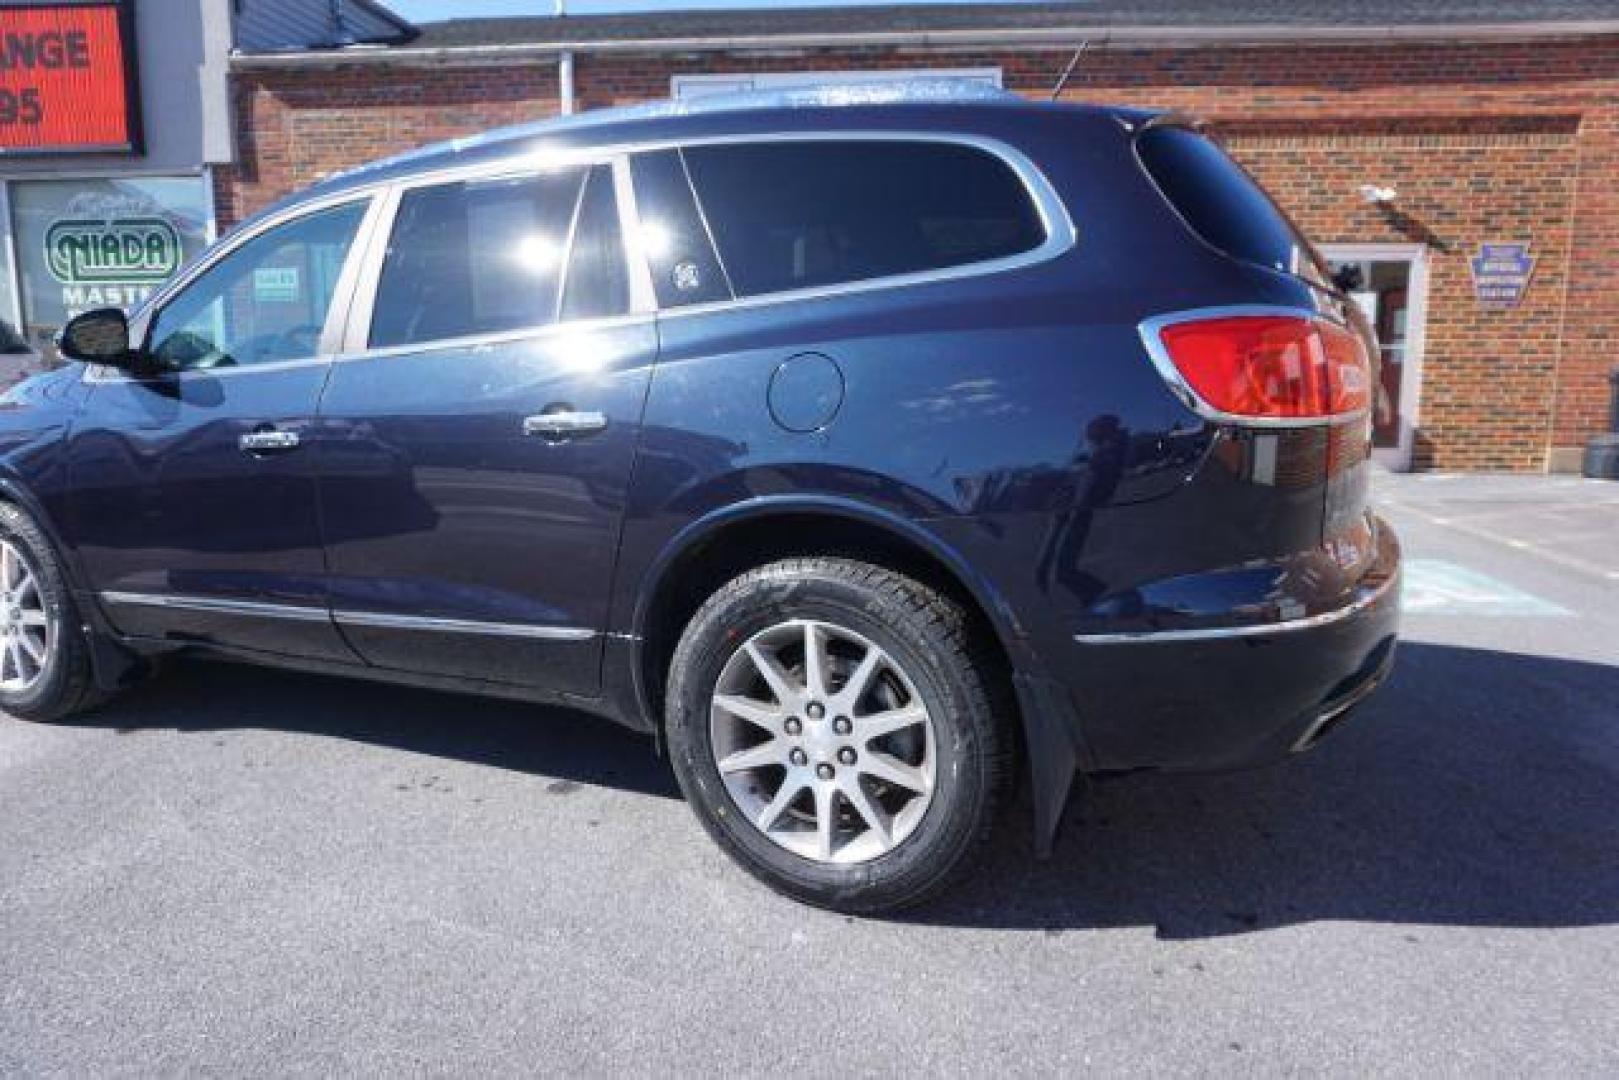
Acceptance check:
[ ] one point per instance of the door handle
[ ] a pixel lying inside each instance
(564, 424)
(267, 441)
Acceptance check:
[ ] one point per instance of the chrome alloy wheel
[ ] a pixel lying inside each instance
(823, 742)
(25, 628)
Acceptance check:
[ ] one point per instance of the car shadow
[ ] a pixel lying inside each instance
(1478, 788)
(549, 742)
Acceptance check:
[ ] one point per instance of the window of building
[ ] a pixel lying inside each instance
(799, 214)
(100, 242)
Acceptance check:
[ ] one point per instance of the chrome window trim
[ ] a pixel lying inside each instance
(1149, 330)
(514, 166)
(343, 291)
(502, 337)
(1216, 633)
(643, 296)
(306, 613)
(100, 373)
(462, 626)
(297, 612)
(357, 324)
(1061, 235)
(565, 266)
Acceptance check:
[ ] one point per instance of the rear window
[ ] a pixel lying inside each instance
(1222, 203)
(793, 215)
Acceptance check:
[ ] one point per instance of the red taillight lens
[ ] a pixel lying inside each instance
(1279, 367)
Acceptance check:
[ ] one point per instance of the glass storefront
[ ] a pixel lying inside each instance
(94, 242)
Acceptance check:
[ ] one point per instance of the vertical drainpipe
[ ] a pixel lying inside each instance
(564, 70)
(565, 82)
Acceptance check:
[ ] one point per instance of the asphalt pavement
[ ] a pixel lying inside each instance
(233, 871)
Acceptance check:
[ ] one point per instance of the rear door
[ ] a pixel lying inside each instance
(480, 429)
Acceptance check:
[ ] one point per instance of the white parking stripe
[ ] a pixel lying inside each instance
(1494, 536)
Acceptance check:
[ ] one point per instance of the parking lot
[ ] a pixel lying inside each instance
(241, 871)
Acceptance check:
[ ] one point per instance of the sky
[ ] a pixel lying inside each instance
(427, 10)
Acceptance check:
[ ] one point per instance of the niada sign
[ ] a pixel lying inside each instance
(120, 251)
(1501, 274)
(101, 241)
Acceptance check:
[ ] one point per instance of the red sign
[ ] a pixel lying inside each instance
(67, 78)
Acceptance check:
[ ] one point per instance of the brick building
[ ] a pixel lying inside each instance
(1404, 137)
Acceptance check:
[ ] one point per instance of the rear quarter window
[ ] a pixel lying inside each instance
(800, 214)
(1223, 204)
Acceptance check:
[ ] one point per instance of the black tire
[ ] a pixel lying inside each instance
(65, 686)
(931, 638)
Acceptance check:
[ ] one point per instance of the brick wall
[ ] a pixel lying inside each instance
(1489, 375)
(295, 127)
(1484, 142)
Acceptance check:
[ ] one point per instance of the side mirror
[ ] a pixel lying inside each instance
(1349, 278)
(100, 336)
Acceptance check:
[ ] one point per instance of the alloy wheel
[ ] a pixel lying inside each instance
(25, 627)
(823, 742)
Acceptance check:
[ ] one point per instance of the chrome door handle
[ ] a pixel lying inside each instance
(261, 442)
(563, 424)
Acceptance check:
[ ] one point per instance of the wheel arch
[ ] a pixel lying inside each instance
(14, 491)
(722, 544)
(112, 665)
(717, 547)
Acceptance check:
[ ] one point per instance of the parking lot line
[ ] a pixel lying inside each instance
(1493, 536)
(1439, 587)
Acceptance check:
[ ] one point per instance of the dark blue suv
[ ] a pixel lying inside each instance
(872, 450)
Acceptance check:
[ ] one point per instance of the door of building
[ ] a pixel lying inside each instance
(1393, 292)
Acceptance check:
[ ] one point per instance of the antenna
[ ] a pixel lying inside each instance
(1073, 63)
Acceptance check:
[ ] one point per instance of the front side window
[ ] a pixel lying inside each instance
(265, 301)
(800, 214)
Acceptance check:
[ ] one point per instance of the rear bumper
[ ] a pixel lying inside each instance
(1266, 675)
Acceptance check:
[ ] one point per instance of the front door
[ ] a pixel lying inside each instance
(1392, 291)
(477, 444)
(193, 490)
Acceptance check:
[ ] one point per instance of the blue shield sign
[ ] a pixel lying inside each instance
(1501, 274)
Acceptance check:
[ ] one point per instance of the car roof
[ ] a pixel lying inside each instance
(929, 105)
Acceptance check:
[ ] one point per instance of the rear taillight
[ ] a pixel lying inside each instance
(1267, 366)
